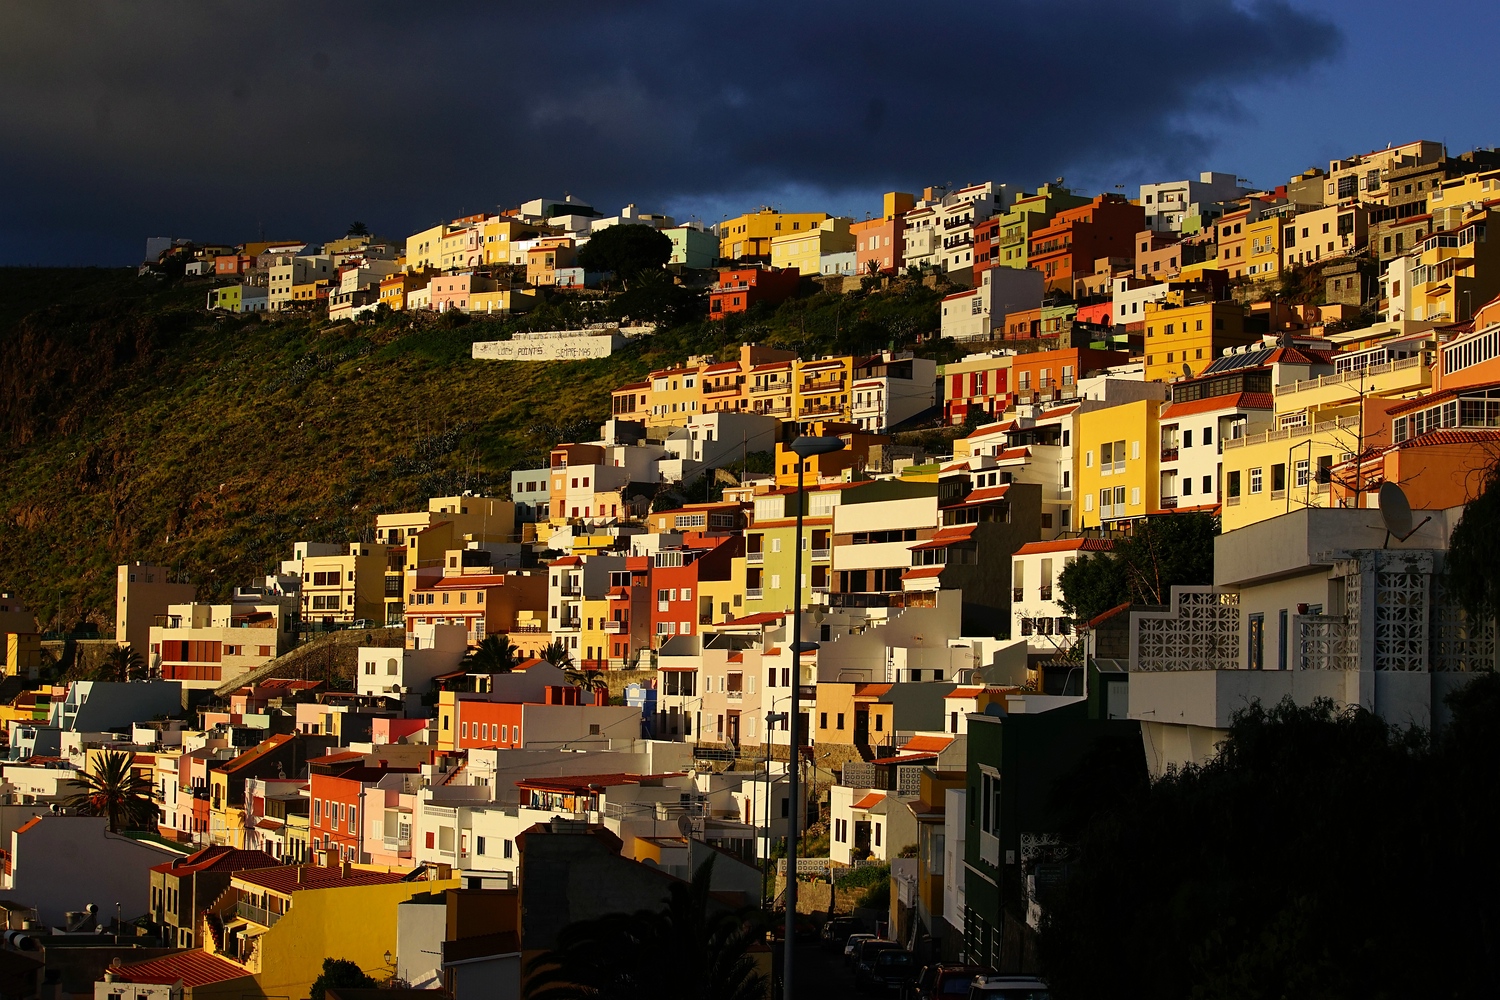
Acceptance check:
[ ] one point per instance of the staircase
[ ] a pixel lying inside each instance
(299, 656)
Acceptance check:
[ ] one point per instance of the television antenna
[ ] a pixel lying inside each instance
(1395, 513)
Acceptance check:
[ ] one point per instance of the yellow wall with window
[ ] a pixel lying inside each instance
(1190, 334)
(1118, 449)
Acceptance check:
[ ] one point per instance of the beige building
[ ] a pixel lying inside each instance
(347, 587)
(204, 645)
(142, 594)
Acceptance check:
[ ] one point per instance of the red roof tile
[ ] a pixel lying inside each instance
(870, 801)
(285, 878)
(934, 744)
(1230, 401)
(922, 573)
(1439, 437)
(193, 968)
(1068, 545)
(217, 859)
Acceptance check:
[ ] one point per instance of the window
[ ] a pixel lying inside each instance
(840, 720)
(822, 720)
(1278, 477)
(1255, 480)
(478, 845)
(1257, 640)
(1300, 472)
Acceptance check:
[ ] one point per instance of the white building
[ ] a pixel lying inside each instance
(396, 672)
(1167, 203)
(64, 864)
(630, 215)
(1190, 435)
(891, 388)
(974, 314)
(205, 645)
(1036, 608)
(297, 271)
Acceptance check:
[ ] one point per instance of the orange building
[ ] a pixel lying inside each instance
(1077, 237)
(739, 288)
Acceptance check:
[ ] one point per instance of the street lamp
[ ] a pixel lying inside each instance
(804, 448)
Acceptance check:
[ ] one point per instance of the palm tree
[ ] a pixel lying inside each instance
(589, 679)
(495, 655)
(121, 663)
(556, 653)
(684, 951)
(113, 790)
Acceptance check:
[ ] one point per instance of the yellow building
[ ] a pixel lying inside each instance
(424, 249)
(750, 235)
(1454, 272)
(279, 924)
(1263, 249)
(345, 588)
(1271, 473)
(822, 389)
(502, 301)
(1191, 334)
(804, 248)
(498, 234)
(1117, 459)
(675, 397)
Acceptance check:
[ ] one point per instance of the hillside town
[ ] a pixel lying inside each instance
(756, 629)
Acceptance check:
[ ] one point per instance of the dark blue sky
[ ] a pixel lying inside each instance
(215, 123)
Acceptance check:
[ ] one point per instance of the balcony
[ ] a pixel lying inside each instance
(570, 623)
(1168, 503)
(771, 387)
(614, 628)
(824, 384)
(1017, 595)
(819, 409)
(735, 695)
(396, 845)
(755, 558)
(821, 555)
(1046, 592)
(1169, 454)
(754, 593)
(255, 914)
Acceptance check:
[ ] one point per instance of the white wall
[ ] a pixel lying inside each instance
(64, 863)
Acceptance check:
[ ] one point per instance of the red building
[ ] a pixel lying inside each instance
(881, 241)
(1052, 376)
(739, 288)
(677, 576)
(338, 800)
(231, 264)
(986, 245)
(1077, 237)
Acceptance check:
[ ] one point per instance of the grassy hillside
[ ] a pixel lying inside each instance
(135, 426)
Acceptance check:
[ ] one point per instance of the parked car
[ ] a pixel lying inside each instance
(1007, 988)
(835, 933)
(892, 970)
(851, 947)
(945, 981)
(362, 623)
(864, 961)
(806, 929)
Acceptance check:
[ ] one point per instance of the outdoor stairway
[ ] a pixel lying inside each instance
(297, 656)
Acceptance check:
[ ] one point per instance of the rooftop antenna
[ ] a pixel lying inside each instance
(1395, 513)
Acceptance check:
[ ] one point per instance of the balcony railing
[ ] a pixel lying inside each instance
(256, 914)
(821, 554)
(754, 593)
(1046, 592)
(397, 845)
(755, 558)
(570, 623)
(1168, 503)
(1169, 454)
(1017, 595)
(614, 628)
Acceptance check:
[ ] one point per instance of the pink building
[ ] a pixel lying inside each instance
(452, 291)
(881, 241)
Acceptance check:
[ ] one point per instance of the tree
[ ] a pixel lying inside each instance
(340, 974)
(589, 679)
(556, 653)
(1473, 561)
(495, 655)
(687, 950)
(626, 250)
(358, 229)
(114, 791)
(121, 664)
(1249, 876)
(1172, 550)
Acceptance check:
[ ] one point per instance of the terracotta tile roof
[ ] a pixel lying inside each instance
(1439, 437)
(193, 968)
(568, 561)
(284, 878)
(870, 801)
(217, 859)
(1061, 411)
(870, 690)
(1421, 402)
(581, 782)
(256, 752)
(933, 744)
(477, 580)
(922, 573)
(966, 691)
(341, 757)
(761, 618)
(1230, 401)
(986, 495)
(904, 759)
(946, 537)
(723, 366)
(1068, 545)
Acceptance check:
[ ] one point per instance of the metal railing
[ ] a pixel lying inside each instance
(755, 558)
(821, 554)
(1357, 374)
(754, 593)
(1169, 454)
(256, 914)
(1168, 503)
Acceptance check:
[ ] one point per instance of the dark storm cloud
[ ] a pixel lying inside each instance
(217, 121)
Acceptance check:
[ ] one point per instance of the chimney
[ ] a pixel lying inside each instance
(344, 869)
(299, 874)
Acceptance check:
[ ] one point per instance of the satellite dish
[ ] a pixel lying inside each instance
(1187, 371)
(1395, 510)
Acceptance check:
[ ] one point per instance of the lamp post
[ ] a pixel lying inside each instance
(804, 448)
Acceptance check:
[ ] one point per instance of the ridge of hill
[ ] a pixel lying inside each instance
(134, 425)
